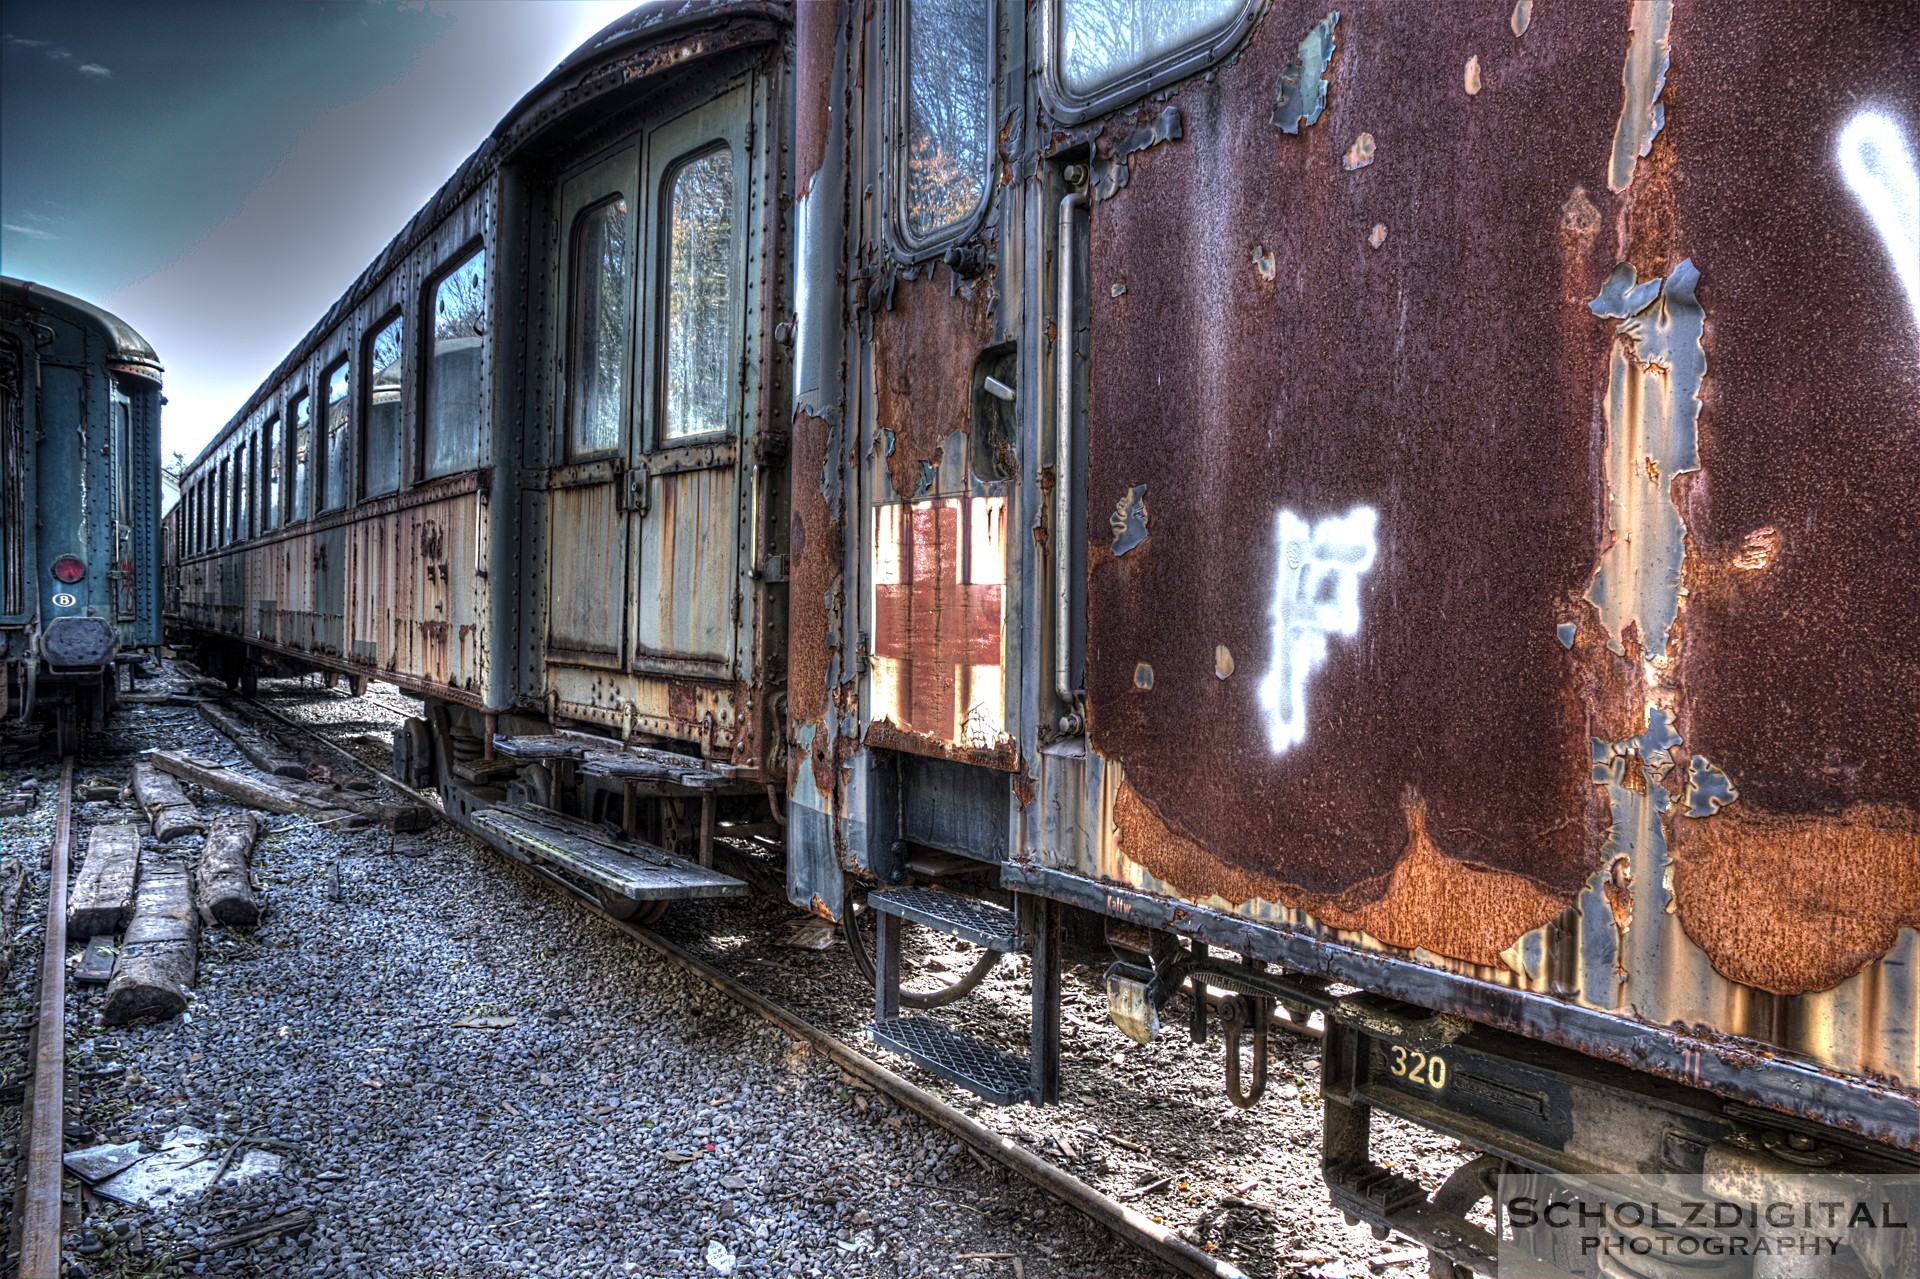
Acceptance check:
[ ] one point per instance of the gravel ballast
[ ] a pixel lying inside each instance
(464, 1073)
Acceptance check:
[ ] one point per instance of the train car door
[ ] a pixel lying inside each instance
(589, 539)
(686, 470)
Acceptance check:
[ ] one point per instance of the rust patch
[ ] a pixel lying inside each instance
(816, 542)
(1841, 887)
(816, 30)
(683, 702)
(1430, 901)
(887, 735)
(924, 346)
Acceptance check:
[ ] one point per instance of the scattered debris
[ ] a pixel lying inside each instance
(96, 966)
(177, 1171)
(12, 876)
(720, 1257)
(810, 934)
(484, 1023)
(261, 750)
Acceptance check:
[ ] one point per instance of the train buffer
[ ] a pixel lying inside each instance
(998, 1076)
(620, 868)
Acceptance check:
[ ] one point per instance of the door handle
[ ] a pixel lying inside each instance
(1063, 688)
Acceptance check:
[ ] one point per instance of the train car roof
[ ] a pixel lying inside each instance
(580, 76)
(129, 348)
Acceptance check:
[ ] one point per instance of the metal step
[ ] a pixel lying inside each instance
(628, 868)
(603, 757)
(999, 1077)
(968, 918)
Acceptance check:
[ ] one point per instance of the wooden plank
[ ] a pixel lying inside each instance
(167, 807)
(265, 796)
(159, 955)
(651, 875)
(102, 899)
(261, 751)
(221, 881)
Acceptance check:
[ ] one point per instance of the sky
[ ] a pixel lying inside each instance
(218, 172)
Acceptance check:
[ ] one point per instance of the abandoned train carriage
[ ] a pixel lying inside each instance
(79, 506)
(1357, 489)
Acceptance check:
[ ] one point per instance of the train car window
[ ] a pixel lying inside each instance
(333, 474)
(380, 445)
(243, 490)
(301, 411)
(271, 460)
(601, 322)
(1106, 51)
(451, 440)
(946, 147)
(699, 302)
(224, 485)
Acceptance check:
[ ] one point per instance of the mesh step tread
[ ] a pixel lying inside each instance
(999, 1077)
(643, 873)
(982, 923)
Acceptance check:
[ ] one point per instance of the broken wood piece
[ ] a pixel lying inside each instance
(1147, 1189)
(297, 799)
(164, 803)
(221, 882)
(102, 900)
(96, 965)
(159, 954)
(12, 876)
(291, 1223)
(261, 750)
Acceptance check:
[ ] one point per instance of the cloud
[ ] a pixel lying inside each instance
(95, 70)
(31, 233)
(45, 48)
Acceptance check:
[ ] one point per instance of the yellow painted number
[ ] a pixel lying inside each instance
(1417, 1067)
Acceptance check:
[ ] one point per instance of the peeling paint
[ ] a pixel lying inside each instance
(1472, 77)
(1263, 262)
(1303, 84)
(1222, 661)
(1522, 17)
(1360, 154)
(1653, 406)
(1708, 788)
(1567, 631)
(1110, 173)
(1757, 550)
(1377, 236)
(1143, 677)
(1129, 520)
(1642, 114)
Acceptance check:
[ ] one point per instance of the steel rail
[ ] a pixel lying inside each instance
(40, 1231)
(1126, 1223)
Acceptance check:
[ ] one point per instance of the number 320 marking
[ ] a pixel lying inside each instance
(1420, 1068)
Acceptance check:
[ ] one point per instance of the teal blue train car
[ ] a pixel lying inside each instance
(79, 506)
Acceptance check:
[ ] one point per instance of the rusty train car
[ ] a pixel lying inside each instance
(1406, 513)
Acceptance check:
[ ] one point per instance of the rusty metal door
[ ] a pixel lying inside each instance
(589, 499)
(687, 466)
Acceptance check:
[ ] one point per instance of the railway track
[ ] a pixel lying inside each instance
(39, 1247)
(1124, 1222)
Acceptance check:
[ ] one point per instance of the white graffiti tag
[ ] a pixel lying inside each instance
(1316, 594)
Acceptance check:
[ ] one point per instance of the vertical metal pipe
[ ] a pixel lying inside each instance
(886, 965)
(40, 1235)
(1063, 456)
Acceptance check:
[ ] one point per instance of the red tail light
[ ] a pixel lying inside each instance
(69, 569)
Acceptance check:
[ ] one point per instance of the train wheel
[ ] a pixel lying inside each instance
(629, 909)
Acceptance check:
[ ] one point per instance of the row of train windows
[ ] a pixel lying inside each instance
(292, 467)
(946, 143)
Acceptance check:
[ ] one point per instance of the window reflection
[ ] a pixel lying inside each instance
(301, 412)
(600, 326)
(333, 481)
(700, 297)
(949, 113)
(1104, 41)
(276, 446)
(453, 426)
(382, 431)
